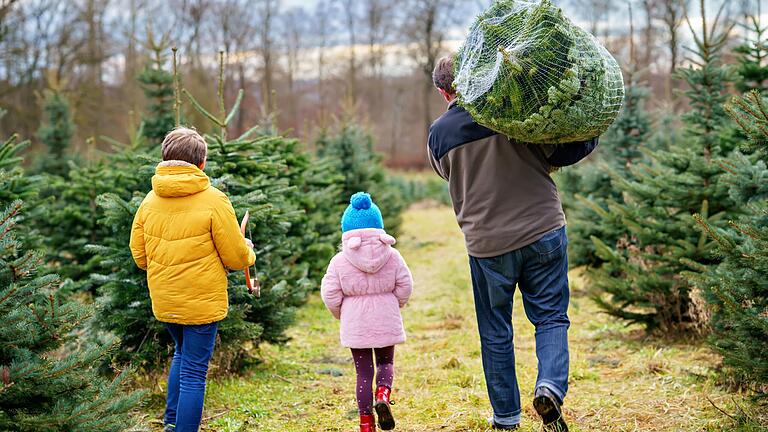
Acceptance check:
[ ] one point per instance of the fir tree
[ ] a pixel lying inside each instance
(13, 183)
(47, 383)
(752, 67)
(56, 133)
(738, 286)
(642, 273)
(351, 156)
(70, 218)
(285, 192)
(158, 86)
(586, 187)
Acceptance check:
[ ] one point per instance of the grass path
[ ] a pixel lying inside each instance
(619, 382)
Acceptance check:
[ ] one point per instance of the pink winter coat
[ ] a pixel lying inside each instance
(365, 286)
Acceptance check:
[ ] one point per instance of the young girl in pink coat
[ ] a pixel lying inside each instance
(365, 286)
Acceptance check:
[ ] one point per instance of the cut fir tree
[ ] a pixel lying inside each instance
(641, 278)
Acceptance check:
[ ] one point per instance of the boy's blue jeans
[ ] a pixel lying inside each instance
(541, 272)
(189, 369)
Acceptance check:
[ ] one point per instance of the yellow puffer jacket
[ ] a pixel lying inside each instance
(185, 234)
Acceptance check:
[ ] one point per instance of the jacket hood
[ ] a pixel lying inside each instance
(367, 249)
(174, 179)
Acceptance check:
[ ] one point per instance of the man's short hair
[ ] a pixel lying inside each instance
(186, 145)
(442, 76)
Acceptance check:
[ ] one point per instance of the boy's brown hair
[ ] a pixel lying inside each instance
(186, 145)
(442, 76)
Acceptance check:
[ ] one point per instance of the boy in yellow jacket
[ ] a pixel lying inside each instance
(185, 235)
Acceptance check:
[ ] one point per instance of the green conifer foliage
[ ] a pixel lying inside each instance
(71, 216)
(641, 279)
(286, 195)
(157, 84)
(47, 383)
(752, 69)
(56, 133)
(738, 286)
(13, 183)
(351, 156)
(587, 187)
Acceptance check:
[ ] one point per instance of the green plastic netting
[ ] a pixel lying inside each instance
(528, 72)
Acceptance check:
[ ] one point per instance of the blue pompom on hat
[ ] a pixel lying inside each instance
(361, 213)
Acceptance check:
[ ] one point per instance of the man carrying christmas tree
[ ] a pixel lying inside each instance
(513, 222)
(185, 235)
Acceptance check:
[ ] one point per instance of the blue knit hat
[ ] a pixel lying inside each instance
(361, 213)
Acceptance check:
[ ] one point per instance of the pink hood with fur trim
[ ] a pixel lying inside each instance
(365, 286)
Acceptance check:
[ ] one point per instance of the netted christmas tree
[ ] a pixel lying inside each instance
(641, 279)
(738, 286)
(158, 85)
(56, 133)
(530, 73)
(49, 383)
(350, 155)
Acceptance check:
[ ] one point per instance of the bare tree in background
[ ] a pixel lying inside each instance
(294, 24)
(323, 29)
(191, 16)
(350, 20)
(652, 9)
(596, 12)
(5, 9)
(267, 10)
(426, 28)
(232, 29)
(674, 16)
(378, 17)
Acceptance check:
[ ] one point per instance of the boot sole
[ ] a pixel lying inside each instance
(550, 415)
(384, 413)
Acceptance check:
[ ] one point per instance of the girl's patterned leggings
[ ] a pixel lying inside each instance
(385, 373)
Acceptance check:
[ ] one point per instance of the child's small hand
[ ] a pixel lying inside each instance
(249, 243)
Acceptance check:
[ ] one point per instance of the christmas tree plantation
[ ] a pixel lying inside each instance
(71, 220)
(738, 286)
(48, 383)
(641, 279)
(286, 195)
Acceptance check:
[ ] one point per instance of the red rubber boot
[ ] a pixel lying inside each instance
(367, 423)
(383, 410)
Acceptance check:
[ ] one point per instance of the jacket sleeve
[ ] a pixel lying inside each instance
(403, 282)
(227, 237)
(436, 167)
(572, 153)
(330, 290)
(137, 245)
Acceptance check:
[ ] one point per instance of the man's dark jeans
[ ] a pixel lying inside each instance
(541, 272)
